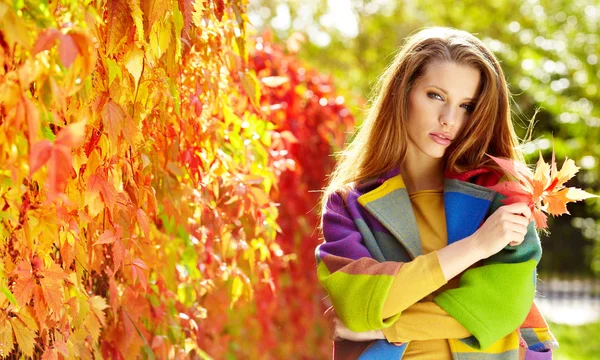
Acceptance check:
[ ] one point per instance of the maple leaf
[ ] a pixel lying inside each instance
(119, 22)
(543, 190)
(137, 271)
(7, 343)
(119, 252)
(50, 354)
(143, 222)
(39, 155)
(25, 282)
(97, 305)
(52, 287)
(109, 236)
(24, 328)
(58, 156)
(97, 183)
(113, 116)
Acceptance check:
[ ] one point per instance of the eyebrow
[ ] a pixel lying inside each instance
(445, 92)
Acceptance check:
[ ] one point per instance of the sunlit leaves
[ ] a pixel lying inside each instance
(145, 190)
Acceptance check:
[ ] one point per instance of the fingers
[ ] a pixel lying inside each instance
(517, 220)
(520, 208)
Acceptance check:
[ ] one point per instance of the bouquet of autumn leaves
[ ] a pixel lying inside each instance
(543, 190)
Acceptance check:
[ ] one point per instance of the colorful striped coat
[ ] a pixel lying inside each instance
(371, 231)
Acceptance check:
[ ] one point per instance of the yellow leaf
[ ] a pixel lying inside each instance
(114, 70)
(567, 171)
(7, 343)
(541, 178)
(24, 335)
(98, 304)
(93, 326)
(137, 14)
(119, 22)
(134, 62)
(576, 194)
(237, 289)
(198, 13)
(259, 195)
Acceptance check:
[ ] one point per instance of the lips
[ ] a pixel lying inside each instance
(441, 139)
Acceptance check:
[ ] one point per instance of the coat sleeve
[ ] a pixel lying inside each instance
(425, 321)
(494, 299)
(359, 285)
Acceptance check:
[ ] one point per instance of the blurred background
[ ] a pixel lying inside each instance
(549, 51)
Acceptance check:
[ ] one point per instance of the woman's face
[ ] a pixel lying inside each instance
(439, 106)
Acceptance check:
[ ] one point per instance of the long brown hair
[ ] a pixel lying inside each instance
(380, 142)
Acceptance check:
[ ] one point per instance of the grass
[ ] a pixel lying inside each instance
(577, 342)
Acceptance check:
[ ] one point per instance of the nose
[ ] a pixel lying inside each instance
(448, 116)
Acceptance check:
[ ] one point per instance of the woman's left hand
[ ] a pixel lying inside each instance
(338, 331)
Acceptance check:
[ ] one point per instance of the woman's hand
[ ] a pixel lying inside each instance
(338, 331)
(506, 226)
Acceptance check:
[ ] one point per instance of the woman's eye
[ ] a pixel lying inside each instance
(434, 96)
(469, 107)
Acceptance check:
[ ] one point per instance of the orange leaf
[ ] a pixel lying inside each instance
(45, 40)
(118, 251)
(39, 155)
(540, 219)
(72, 135)
(25, 282)
(50, 354)
(60, 170)
(28, 110)
(41, 307)
(119, 22)
(137, 271)
(557, 202)
(86, 49)
(143, 221)
(97, 183)
(112, 116)
(67, 50)
(109, 236)
(51, 283)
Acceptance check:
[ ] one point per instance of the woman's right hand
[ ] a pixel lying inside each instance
(506, 226)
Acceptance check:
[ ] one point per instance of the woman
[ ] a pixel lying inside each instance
(420, 260)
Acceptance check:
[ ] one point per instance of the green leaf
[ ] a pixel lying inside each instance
(114, 70)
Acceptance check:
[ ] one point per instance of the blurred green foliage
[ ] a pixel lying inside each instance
(550, 54)
(576, 342)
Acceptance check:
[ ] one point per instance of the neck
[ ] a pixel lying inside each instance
(419, 176)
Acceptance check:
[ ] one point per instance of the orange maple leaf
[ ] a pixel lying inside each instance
(543, 190)
(58, 157)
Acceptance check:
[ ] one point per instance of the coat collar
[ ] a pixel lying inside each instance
(465, 206)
